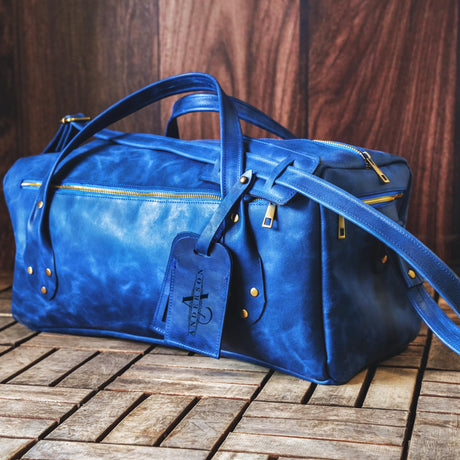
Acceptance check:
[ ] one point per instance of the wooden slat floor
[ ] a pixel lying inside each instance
(68, 397)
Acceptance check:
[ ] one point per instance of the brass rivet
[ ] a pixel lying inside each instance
(254, 292)
(384, 259)
(244, 179)
(43, 290)
(244, 313)
(411, 274)
(40, 204)
(235, 218)
(48, 272)
(30, 270)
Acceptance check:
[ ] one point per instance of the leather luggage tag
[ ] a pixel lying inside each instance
(198, 296)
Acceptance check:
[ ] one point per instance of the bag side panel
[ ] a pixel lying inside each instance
(367, 316)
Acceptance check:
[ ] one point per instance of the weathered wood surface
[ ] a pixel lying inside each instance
(210, 418)
(284, 388)
(313, 448)
(391, 388)
(98, 371)
(146, 423)
(15, 334)
(52, 368)
(19, 358)
(69, 397)
(340, 395)
(96, 416)
(86, 343)
(68, 450)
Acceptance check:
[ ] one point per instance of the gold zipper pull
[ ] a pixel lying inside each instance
(371, 163)
(269, 216)
(383, 199)
(341, 228)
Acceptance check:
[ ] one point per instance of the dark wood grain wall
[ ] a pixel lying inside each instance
(384, 74)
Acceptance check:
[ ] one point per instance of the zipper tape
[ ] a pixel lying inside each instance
(121, 192)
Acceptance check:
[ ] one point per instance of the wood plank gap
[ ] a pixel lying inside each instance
(136, 403)
(413, 407)
(124, 368)
(238, 418)
(262, 384)
(224, 435)
(309, 394)
(240, 415)
(77, 406)
(47, 431)
(25, 339)
(41, 358)
(2, 328)
(365, 387)
(6, 350)
(63, 376)
(19, 454)
(176, 422)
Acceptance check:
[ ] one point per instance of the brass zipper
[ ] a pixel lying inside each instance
(370, 201)
(383, 199)
(118, 192)
(370, 163)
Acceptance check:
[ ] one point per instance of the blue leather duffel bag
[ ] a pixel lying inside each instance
(289, 253)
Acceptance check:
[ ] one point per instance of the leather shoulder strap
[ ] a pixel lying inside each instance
(414, 254)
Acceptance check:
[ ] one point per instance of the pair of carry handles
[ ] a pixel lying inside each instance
(413, 255)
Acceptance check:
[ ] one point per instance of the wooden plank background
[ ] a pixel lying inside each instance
(384, 75)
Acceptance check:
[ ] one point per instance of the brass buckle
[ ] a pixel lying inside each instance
(68, 119)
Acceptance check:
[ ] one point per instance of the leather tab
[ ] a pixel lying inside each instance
(204, 243)
(198, 297)
(409, 275)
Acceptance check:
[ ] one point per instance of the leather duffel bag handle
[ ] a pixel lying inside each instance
(39, 251)
(208, 102)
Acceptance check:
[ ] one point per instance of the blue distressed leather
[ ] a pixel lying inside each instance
(300, 299)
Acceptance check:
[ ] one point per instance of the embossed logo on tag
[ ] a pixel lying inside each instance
(197, 314)
(198, 296)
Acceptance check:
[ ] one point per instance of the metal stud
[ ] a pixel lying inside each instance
(43, 290)
(244, 313)
(411, 274)
(384, 259)
(30, 270)
(244, 180)
(40, 204)
(254, 292)
(48, 272)
(235, 217)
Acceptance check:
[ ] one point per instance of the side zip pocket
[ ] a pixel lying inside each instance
(376, 201)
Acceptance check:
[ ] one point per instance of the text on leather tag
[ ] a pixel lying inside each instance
(198, 297)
